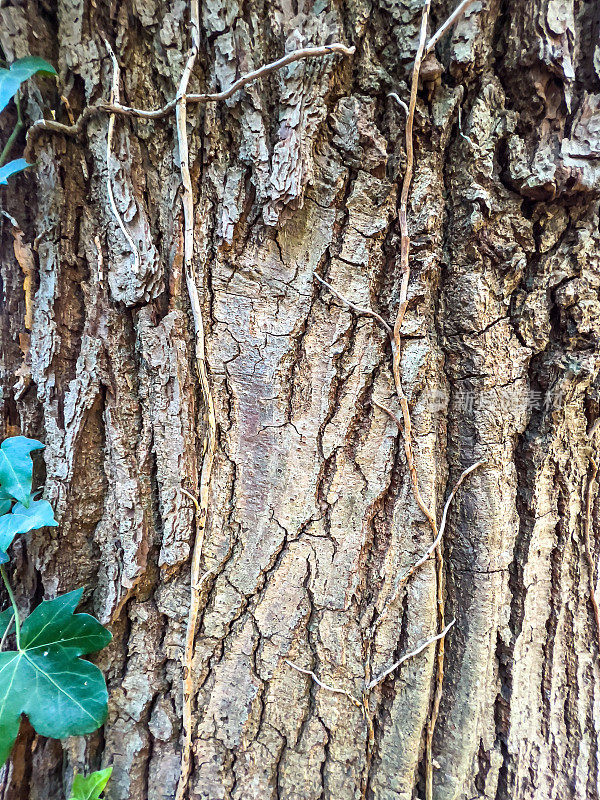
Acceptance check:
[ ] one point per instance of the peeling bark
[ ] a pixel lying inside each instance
(311, 517)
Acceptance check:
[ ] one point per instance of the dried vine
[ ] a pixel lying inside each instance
(90, 112)
(179, 105)
(210, 438)
(404, 425)
(407, 430)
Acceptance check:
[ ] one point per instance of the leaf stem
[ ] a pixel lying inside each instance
(6, 632)
(13, 603)
(16, 130)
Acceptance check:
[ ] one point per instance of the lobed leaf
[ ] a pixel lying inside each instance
(39, 514)
(91, 787)
(46, 679)
(19, 71)
(18, 165)
(6, 501)
(16, 467)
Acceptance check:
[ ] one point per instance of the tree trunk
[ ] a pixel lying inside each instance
(311, 517)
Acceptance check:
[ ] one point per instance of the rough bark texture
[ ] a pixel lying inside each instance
(311, 517)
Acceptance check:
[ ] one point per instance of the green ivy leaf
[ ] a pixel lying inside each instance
(90, 788)
(62, 694)
(6, 501)
(16, 467)
(19, 71)
(18, 165)
(22, 520)
(5, 620)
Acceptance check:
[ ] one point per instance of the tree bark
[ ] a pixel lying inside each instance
(311, 517)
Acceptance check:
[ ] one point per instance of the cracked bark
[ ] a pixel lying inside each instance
(311, 514)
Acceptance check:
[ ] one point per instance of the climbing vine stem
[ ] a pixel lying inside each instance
(15, 131)
(209, 407)
(13, 603)
(404, 424)
(179, 105)
(90, 112)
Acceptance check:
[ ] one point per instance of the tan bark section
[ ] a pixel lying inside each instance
(312, 519)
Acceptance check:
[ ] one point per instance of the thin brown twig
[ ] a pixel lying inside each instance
(363, 706)
(212, 570)
(421, 52)
(396, 371)
(432, 547)
(65, 101)
(359, 309)
(117, 108)
(209, 410)
(445, 26)
(289, 58)
(440, 535)
(410, 458)
(587, 527)
(390, 414)
(326, 686)
(192, 498)
(405, 426)
(437, 638)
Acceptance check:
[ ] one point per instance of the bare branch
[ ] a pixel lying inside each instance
(192, 498)
(114, 93)
(359, 310)
(113, 107)
(452, 494)
(402, 399)
(440, 535)
(289, 58)
(445, 26)
(325, 686)
(412, 654)
(205, 577)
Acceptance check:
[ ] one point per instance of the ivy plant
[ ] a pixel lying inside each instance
(90, 787)
(10, 81)
(44, 675)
